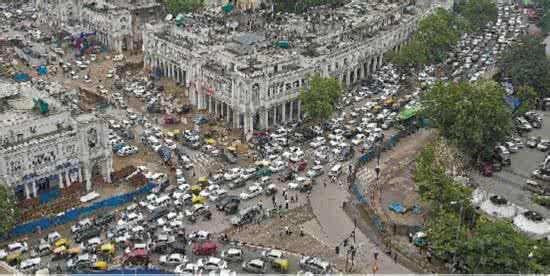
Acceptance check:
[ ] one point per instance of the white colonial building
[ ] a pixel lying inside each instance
(40, 150)
(249, 68)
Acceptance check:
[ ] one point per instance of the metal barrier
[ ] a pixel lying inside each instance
(359, 195)
(74, 214)
(137, 271)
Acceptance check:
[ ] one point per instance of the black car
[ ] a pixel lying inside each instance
(230, 157)
(104, 219)
(87, 234)
(226, 200)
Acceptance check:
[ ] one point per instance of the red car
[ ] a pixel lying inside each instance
(206, 248)
(168, 119)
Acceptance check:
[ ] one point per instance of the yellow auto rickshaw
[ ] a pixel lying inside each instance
(14, 258)
(197, 199)
(203, 181)
(74, 251)
(101, 265)
(107, 249)
(196, 189)
(59, 252)
(211, 141)
(280, 265)
(61, 242)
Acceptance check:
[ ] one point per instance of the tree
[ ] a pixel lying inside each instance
(9, 209)
(528, 97)
(478, 13)
(544, 22)
(439, 33)
(412, 54)
(443, 230)
(182, 6)
(496, 247)
(525, 63)
(319, 98)
(472, 116)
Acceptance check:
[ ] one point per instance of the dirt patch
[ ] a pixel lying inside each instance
(271, 233)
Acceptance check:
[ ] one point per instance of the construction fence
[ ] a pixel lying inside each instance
(74, 214)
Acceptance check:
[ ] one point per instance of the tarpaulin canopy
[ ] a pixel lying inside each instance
(283, 44)
(227, 8)
(42, 70)
(409, 113)
(21, 77)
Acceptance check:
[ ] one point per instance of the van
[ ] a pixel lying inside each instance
(335, 171)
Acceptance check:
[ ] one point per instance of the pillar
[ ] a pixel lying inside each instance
(209, 104)
(291, 110)
(68, 178)
(274, 114)
(284, 112)
(60, 179)
(88, 177)
(236, 119)
(27, 193)
(108, 168)
(80, 175)
(299, 108)
(34, 192)
(216, 107)
(266, 118)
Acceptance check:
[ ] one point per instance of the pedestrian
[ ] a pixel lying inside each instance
(375, 254)
(429, 256)
(273, 199)
(340, 183)
(301, 231)
(193, 173)
(291, 199)
(395, 257)
(325, 184)
(286, 197)
(296, 197)
(284, 193)
(308, 193)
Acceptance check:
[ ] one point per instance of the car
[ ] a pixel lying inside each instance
(253, 191)
(213, 264)
(543, 145)
(277, 166)
(255, 266)
(317, 142)
(18, 246)
(272, 254)
(532, 142)
(232, 254)
(83, 259)
(227, 200)
(199, 236)
(188, 269)
(173, 259)
(232, 174)
(512, 147)
(315, 265)
(315, 171)
(30, 264)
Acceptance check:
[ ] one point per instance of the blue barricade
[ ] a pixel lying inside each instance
(74, 214)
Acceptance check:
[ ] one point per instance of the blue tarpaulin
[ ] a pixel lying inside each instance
(48, 196)
(513, 102)
(397, 207)
(42, 70)
(21, 77)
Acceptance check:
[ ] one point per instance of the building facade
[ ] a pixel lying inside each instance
(39, 151)
(249, 69)
(118, 24)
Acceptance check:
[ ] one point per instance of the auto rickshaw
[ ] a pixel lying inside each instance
(59, 252)
(14, 258)
(61, 242)
(74, 251)
(280, 265)
(231, 208)
(107, 249)
(196, 189)
(211, 141)
(100, 265)
(197, 199)
(271, 189)
(307, 186)
(203, 181)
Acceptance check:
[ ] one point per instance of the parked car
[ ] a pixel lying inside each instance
(255, 266)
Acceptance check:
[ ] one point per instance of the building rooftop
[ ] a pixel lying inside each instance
(254, 42)
(19, 107)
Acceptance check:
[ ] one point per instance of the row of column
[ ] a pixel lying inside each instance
(61, 182)
(168, 69)
(360, 72)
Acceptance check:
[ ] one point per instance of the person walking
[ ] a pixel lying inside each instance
(325, 184)
(375, 254)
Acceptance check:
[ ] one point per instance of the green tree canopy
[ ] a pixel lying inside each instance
(477, 12)
(528, 97)
(320, 96)
(525, 63)
(412, 54)
(495, 247)
(472, 116)
(544, 22)
(182, 6)
(9, 209)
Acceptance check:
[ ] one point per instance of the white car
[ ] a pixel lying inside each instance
(188, 269)
(315, 171)
(272, 254)
(317, 142)
(212, 264)
(232, 174)
(358, 139)
(253, 191)
(293, 186)
(30, 263)
(277, 166)
(199, 235)
(173, 259)
(217, 194)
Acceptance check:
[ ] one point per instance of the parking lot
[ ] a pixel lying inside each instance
(510, 182)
